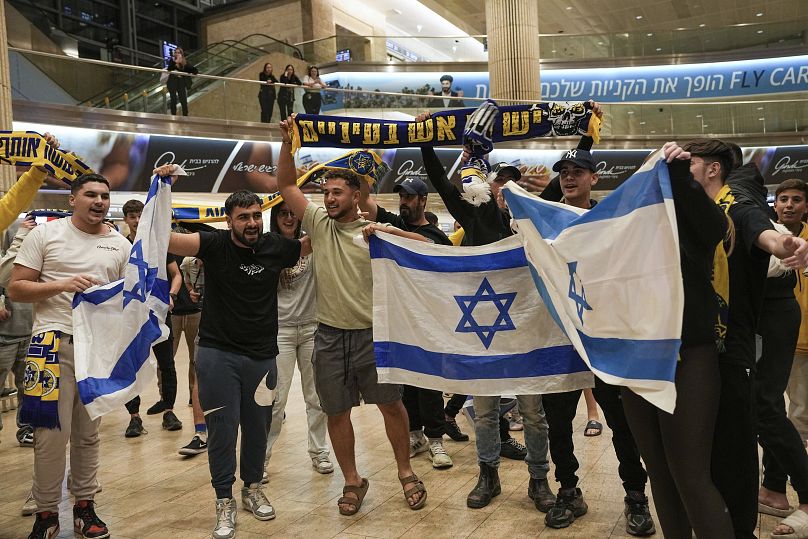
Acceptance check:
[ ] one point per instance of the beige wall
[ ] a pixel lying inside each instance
(281, 20)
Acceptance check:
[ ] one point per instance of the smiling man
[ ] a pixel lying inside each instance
(235, 359)
(56, 260)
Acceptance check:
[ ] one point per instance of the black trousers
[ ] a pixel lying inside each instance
(560, 413)
(267, 102)
(735, 456)
(179, 91)
(312, 102)
(286, 108)
(164, 353)
(455, 404)
(783, 451)
(425, 410)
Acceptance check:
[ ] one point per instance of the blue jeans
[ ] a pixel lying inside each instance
(486, 427)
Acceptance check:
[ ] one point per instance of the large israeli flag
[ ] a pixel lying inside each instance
(117, 324)
(611, 278)
(466, 320)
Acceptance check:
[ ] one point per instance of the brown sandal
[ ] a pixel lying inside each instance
(356, 503)
(419, 487)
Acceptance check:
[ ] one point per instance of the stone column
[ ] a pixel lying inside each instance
(7, 172)
(318, 23)
(513, 49)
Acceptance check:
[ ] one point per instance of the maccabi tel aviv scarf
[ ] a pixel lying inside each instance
(29, 149)
(444, 128)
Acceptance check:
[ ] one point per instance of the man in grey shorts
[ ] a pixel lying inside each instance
(344, 363)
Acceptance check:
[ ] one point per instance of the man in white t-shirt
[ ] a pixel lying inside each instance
(56, 260)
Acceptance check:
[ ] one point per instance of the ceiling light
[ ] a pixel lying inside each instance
(761, 119)
(658, 49)
(642, 123)
(600, 42)
(568, 8)
(630, 112)
(702, 25)
(419, 27)
(553, 50)
(454, 48)
(760, 31)
(760, 108)
(650, 34)
(699, 115)
(758, 14)
(638, 17)
(652, 131)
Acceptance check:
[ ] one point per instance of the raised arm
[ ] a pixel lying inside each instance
(372, 228)
(287, 173)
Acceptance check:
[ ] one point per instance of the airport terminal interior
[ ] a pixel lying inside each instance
(129, 85)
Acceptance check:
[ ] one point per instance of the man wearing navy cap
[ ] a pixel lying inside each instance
(424, 406)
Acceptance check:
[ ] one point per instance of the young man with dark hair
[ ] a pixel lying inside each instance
(735, 458)
(779, 327)
(235, 359)
(163, 352)
(577, 174)
(424, 406)
(56, 260)
(344, 361)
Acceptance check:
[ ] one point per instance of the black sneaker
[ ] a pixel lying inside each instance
(569, 505)
(511, 449)
(453, 430)
(135, 428)
(25, 436)
(197, 446)
(86, 523)
(170, 421)
(638, 517)
(157, 408)
(46, 526)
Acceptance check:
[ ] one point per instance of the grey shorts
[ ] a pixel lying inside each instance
(345, 368)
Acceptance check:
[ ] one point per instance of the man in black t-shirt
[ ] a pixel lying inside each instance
(235, 361)
(735, 457)
(424, 406)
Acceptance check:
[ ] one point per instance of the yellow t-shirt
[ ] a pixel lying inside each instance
(341, 270)
(801, 293)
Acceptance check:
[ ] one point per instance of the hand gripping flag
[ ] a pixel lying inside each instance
(117, 324)
(466, 320)
(611, 278)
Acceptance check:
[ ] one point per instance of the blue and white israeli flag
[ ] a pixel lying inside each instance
(466, 320)
(611, 278)
(115, 325)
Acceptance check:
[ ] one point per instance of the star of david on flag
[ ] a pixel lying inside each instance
(503, 321)
(466, 320)
(116, 325)
(627, 323)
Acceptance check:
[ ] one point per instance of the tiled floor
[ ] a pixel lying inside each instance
(149, 491)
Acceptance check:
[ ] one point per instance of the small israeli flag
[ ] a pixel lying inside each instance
(116, 325)
(466, 320)
(611, 278)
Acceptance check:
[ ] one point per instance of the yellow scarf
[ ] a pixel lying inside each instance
(720, 277)
(29, 149)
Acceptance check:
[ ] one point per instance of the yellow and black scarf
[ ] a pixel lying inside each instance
(720, 277)
(29, 149)
(40, 403)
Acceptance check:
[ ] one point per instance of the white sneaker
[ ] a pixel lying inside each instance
(322, 464)
(418, 443)
(29, 507)
(225, 519)
(254, 500)
(440, 459)
(265, 478)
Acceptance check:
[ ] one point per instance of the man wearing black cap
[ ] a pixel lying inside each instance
(424, 406)
(446, 91)
(573, 185)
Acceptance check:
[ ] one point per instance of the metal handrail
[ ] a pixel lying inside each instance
(706, 101)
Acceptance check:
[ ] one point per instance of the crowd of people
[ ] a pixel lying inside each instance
(253, 304)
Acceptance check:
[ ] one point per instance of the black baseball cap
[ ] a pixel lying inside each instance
(505, 168)
(579, 158)
(413, 186)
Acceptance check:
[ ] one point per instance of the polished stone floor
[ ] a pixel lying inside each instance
(149, 491)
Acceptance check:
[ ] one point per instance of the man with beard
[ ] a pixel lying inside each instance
(344, 361)
(235, 359)
(424, 406)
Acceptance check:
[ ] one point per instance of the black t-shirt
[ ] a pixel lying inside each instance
(183, 304)
(240, 306)
(747, 283)
(428, 230)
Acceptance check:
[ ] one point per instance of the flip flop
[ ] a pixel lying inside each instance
(797, 521)
(774, 511)
(419, 487)
(355, 503)
(593, 425)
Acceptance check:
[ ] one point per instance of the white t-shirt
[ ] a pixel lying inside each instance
(316, 87)
(59, 250)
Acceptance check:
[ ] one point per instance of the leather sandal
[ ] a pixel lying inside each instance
(355, 503)
(419, 487)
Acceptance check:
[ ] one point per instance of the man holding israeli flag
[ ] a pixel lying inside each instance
(57, 260)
